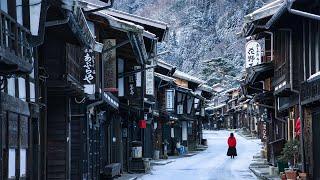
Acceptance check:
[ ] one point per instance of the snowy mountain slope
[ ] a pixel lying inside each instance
(203, 37)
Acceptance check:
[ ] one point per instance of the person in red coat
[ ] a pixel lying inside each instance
(232, 143)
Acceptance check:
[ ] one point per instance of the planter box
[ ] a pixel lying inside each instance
(292, 175)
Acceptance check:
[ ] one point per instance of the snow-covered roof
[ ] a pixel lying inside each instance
(205, 87)
(215, 107)
(117, 23)
(265, 11)
(138, 19)
(231, 90)
(185, 76)
(217, 88)
(162, 26)
(164, 77)
(164, 64)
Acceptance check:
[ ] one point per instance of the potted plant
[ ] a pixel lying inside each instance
(290, 153)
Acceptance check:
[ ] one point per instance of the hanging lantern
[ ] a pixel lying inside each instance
(142, 124)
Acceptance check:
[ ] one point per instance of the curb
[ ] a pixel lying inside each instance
(260, 176)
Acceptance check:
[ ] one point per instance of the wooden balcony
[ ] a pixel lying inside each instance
(63, 64)
(15, 51)
(310, 92)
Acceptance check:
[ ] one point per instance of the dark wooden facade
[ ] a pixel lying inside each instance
(295, 83)
(19, 109)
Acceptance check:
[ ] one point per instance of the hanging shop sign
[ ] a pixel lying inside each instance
(150, 81)
(170, 100)
(89, 71)
(138, 76)
(132, 89)
(142, 124)
(253, 54)
(110, 64)
(180, 109)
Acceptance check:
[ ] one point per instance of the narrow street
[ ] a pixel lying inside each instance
(212, 163)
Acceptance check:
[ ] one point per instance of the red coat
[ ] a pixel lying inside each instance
(232, 142)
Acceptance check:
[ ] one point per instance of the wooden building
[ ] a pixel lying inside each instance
(19, 98)
(129, 56)
(292, 27)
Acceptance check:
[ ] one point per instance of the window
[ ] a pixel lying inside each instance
(22, 88)
(17, 144)
(32, 92)
(4, 5)
(23, 162)
(12, 164)
(19, 11)
(11, 87)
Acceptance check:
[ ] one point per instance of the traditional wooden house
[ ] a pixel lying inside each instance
(293, 27)
(67, 74)
(129, 57)
(189, 109)
(164, 118)
(19, 98)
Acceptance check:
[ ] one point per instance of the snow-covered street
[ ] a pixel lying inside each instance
(212, 163)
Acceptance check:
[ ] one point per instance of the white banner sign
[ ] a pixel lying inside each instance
(150, 81)
(170, 99)
(184, 131)
(253, 54)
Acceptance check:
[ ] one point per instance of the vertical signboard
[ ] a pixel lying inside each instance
(110, 64)
(253, 53)
(150, 81)
(89, 71)
(170, 100)
(121, 79)
(184, 131)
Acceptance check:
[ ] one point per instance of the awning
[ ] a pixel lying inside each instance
(264, 97)
(182, 89)
(260, 72)
(111, 100)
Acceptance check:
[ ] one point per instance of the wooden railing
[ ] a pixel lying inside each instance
(310, 91)
(280, 71)
(14, 37)
(73, 63)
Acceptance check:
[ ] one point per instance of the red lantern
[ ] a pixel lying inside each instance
(142, 124)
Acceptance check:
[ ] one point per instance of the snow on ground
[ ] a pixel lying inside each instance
(211, 164)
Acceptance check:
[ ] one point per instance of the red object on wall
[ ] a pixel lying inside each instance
(142, 124)
(298, 127)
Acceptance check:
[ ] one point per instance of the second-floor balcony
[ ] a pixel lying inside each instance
(63, 64)
(310, 91)
(15, 51)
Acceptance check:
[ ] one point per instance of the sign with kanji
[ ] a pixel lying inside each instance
(170, 100)
(150, 81)
(110, 64)
(253, 53)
